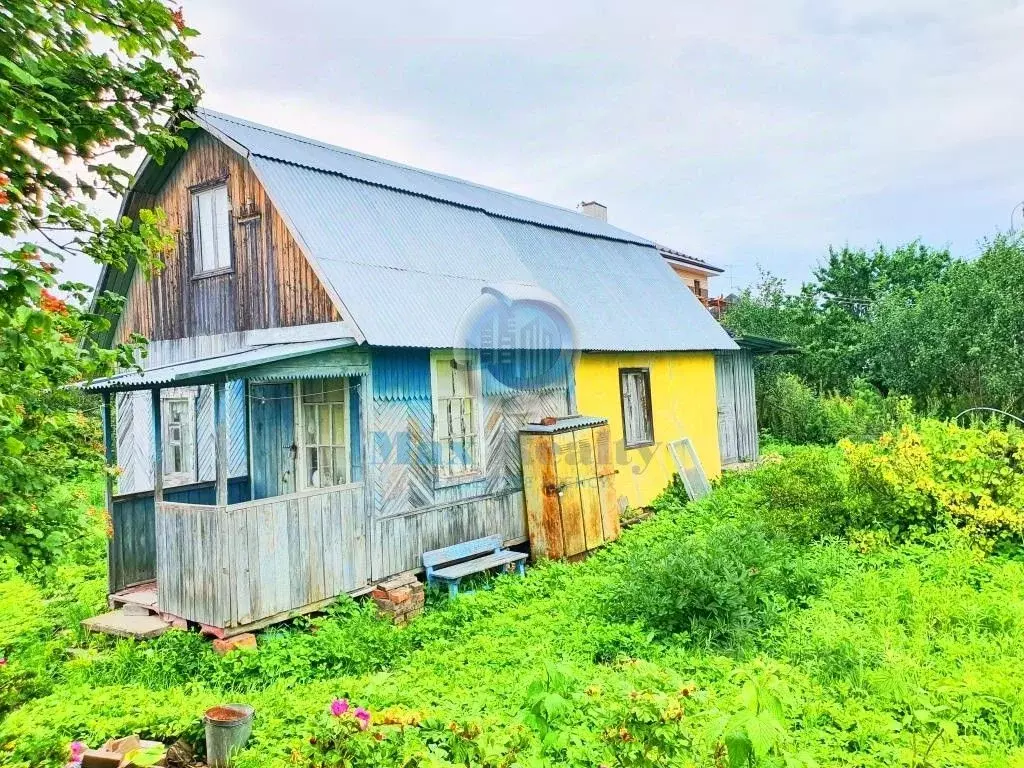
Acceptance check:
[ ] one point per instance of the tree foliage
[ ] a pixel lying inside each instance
(82, 84)
(910, 321)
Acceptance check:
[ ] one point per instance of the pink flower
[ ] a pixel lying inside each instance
(77, 749)
(339, 707)
(3, 661)
(364, 718)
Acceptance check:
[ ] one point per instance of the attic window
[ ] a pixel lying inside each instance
(211, 227)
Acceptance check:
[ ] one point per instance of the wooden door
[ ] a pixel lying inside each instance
(272, 426)
(728, 436)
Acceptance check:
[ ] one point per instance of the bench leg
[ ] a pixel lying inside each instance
(521, 567)
(453, 589)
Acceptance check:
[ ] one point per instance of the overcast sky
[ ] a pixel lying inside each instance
(748, 133)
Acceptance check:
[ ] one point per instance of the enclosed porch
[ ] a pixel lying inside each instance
(229, 551)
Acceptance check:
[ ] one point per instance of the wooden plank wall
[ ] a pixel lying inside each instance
(398, 542)
(236, 565)
(133, 547)
(737, 406)
(411, 512)
(271, 284)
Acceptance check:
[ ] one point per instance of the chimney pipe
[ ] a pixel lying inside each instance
(594, 210)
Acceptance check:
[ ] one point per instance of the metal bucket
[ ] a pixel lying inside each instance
(228, 727)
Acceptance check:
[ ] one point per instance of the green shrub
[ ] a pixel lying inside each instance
(715, 586)
(805, 494)
(789, 410)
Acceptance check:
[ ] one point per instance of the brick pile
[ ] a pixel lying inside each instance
(400, 599)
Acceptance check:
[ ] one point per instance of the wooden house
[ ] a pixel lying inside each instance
(321, 402)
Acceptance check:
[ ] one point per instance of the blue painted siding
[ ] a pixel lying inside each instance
(401, 373)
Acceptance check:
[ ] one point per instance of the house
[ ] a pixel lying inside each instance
(342, 353)
(694, 272)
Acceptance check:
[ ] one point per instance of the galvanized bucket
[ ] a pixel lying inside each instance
(228, 728)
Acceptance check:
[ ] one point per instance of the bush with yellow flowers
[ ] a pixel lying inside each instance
(937, 474)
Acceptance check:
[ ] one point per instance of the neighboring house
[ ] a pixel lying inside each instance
(327, 393)
(694, 272)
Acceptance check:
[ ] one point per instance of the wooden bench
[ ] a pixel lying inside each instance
(452, 564)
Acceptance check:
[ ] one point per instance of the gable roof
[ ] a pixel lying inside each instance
(406, 252)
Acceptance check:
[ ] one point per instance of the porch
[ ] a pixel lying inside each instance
(235, 553)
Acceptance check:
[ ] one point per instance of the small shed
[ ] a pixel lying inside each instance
(737, 397)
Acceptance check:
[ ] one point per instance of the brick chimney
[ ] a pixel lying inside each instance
(594, 210)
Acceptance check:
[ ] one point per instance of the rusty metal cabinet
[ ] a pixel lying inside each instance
(569, 486)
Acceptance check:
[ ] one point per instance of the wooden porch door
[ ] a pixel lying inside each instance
(272, 426)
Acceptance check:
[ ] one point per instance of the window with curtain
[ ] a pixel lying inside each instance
(323, 432)
(178, 426)
(211, 229)
(637, 420)
(454, 390)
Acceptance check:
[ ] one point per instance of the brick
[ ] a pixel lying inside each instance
(243, 642)
(379, 592)
(384, 606)
(401, 595)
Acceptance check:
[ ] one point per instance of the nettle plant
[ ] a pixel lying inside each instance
(84, 84)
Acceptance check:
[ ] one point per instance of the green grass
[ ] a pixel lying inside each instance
(868, 655)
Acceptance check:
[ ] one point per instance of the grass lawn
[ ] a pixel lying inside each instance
(702, 638)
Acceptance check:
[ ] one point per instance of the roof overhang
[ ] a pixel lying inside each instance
(680, 259)
(762, 345)
(246, 364)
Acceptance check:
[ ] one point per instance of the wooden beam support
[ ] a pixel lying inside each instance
(158, 447)
(220, 422)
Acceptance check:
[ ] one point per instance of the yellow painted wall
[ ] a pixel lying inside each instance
(683, 404)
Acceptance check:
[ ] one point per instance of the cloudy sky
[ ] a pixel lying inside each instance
(747, 133)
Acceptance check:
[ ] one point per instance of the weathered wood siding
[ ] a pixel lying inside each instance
(412, 512)
(244, 563)
(133, 546)
(271, 283)
(737, 406)
(135, 437)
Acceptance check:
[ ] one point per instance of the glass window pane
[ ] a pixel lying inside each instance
(443, 374)
(313, 391)
(326, 474)
(467, 416)
(312, 468)
(338, 419)
(309, 414)
(324, 414)
(334, 390)
(444, 460)
(338, 462)
(205, 258)
(222, 223)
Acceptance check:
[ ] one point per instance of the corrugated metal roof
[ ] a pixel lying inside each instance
(267, 142)
(207, 368)
(408, 252)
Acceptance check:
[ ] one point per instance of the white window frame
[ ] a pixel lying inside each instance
(645, 410)
(190, 472)
(302, 484)
(476, 470)
(220, 247)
